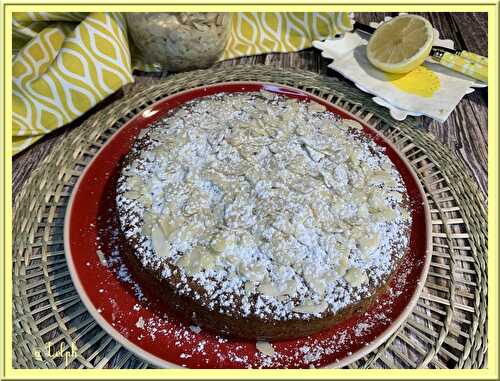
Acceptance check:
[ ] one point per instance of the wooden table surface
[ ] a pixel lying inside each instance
(465, 131)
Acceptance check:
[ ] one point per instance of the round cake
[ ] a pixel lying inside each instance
(261, 216)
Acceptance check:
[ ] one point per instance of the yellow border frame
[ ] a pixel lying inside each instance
(491, 7)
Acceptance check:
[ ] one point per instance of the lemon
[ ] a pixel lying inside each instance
(401, 44)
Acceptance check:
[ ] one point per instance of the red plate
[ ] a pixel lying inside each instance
(143, 326)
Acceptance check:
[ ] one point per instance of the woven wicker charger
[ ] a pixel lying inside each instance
(447, 328)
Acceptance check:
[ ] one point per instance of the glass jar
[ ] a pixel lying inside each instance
(179, 41)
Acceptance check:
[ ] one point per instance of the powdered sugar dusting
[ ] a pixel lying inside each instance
(190, 346)
(271, 202)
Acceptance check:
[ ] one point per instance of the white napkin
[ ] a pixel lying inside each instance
(433, 90)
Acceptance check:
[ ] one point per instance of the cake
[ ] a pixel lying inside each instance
(260, 216)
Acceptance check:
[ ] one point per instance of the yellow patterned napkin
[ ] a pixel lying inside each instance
(66, 63)
(258, 33)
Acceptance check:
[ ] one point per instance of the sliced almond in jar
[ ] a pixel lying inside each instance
(358, 232)
(282, 224)
(236, 139)
(341, 176)
(287, 116)
(358, 181)
(191, 208)
(331, 226)
(217, 178)
(197, 202)
(238, 213)
(325, 194)
(248, 151)
(149, 218)
(258, 132)
(406, 215)
(237, 169)
(331, 277)
(273, 132)
(276, 148)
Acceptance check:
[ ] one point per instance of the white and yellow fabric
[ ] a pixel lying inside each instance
(258, 33)
(64, 69)
(66, 63)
